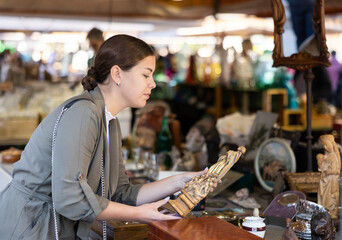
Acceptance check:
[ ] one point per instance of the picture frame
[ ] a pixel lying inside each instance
(273, 149)
(302, 60)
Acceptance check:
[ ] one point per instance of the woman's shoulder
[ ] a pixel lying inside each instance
(84, 108)
(75, 106)
(84, 101)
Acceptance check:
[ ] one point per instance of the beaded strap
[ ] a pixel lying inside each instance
(103, 194)
(54, 134)
(52, 158)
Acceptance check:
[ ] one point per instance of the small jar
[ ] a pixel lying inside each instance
(254, 225)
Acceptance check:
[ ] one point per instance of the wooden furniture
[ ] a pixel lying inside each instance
(293, 120)
(197, 228)
(120, 230)
(306, 182)
(267, 95)
(221, 100)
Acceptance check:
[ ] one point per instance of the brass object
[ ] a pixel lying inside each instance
(199, 187)
(288, 199)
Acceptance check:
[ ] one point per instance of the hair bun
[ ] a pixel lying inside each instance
(89, 81)
(91, 72)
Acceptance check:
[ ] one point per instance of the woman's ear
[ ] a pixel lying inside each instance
(115, 74)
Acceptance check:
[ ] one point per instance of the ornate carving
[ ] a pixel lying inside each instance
(199, 187)
(299, 61)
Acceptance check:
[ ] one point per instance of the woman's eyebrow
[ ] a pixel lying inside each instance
(149, 69)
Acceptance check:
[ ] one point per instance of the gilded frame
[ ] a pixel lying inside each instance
(301, 60)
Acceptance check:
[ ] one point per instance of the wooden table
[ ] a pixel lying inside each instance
(202, 228)
(120, 230)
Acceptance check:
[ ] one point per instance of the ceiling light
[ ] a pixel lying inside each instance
(54, 24)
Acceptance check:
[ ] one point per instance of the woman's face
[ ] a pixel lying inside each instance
(137, 83)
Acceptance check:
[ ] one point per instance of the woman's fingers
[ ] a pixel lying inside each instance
(174, 214)
(164, 211)
(171, 217)
(160, 203)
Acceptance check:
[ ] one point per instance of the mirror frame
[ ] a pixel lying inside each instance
(301, 60)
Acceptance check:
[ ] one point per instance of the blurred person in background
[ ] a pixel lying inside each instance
(303, 26)
(334, 70)
(5, 62)
(301, 15)
(95, 38)
(16, 73)
(71, 171)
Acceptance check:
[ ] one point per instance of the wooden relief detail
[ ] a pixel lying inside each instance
(199, 187)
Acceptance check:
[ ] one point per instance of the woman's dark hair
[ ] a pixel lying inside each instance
(122, 50)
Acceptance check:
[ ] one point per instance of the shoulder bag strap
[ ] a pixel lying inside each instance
(54, 134)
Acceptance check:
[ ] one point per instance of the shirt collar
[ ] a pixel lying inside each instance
(109, 116)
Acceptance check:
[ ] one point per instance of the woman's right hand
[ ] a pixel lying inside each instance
(149, 212)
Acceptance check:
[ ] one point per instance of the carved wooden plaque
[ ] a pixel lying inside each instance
(199, 187)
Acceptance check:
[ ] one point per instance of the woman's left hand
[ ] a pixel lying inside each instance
(183, 178)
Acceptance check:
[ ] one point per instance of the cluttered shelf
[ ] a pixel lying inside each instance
(23, 108)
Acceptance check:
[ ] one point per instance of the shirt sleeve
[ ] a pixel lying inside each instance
(125, 192)
(75, 142)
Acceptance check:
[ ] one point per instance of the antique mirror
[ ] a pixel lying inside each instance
(312, 53)
(303, 60)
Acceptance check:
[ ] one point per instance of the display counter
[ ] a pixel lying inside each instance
(197, 228)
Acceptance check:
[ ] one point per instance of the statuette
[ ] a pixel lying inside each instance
(199, 187)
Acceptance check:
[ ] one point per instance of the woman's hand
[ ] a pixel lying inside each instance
(149, 212)
(183, 178)
(163, 188)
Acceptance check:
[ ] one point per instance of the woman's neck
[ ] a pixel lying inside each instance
(112, 99)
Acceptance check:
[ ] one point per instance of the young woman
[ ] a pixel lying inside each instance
(71, 171)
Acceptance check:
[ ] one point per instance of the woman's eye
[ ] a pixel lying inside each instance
(146, 76)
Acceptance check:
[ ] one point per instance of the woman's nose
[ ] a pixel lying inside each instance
(152, 84)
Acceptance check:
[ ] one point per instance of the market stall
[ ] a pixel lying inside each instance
(271, 146)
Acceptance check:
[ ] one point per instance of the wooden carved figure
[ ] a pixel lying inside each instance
(329, 165)
(200, 186)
